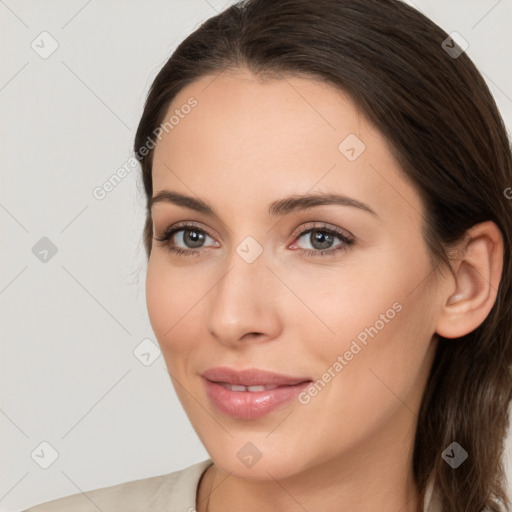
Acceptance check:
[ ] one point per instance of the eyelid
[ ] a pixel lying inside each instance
(320, 226)
(170, 231)
(183, 224)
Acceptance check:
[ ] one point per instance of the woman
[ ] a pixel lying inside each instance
(329, 275)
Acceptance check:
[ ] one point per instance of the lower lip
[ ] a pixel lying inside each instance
(250, 405)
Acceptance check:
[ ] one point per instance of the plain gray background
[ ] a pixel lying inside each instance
(72, 319)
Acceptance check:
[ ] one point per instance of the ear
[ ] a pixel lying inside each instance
(477, 272)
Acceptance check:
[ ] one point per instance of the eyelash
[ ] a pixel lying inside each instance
(348, 241)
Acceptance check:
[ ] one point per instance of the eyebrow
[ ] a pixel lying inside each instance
(276, 208)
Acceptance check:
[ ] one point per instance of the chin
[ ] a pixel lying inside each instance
(267, 468)
(255, 460)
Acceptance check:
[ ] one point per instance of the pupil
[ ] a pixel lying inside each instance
(325, 238)
(196, 237)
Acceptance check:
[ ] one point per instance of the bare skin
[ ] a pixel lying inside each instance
(246, 144)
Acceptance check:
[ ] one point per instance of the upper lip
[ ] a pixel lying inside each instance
(250, 377)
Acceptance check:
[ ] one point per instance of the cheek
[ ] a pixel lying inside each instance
(170, 296)
(380, 318)
(158, 302)
(360, 293)
(383, 367)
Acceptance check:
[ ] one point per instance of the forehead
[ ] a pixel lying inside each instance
(239, 113)
(254, 139)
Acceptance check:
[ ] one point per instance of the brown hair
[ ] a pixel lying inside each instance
(446, 132)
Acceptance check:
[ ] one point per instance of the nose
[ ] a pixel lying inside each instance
(244, 304)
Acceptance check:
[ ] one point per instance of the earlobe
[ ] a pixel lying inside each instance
(477, 274)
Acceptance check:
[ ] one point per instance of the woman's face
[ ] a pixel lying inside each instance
(254, 290)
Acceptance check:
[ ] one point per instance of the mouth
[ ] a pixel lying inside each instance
(250, 394)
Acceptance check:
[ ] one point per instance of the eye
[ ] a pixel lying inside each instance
(322, 237)
(188, 234)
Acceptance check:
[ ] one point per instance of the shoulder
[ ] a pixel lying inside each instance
(177, 489)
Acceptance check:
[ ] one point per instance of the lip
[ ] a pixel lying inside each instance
(250, 404)
(250, 377)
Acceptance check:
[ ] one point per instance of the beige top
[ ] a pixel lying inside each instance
(173, 492)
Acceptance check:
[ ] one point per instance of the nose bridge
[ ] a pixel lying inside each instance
(241, 301)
